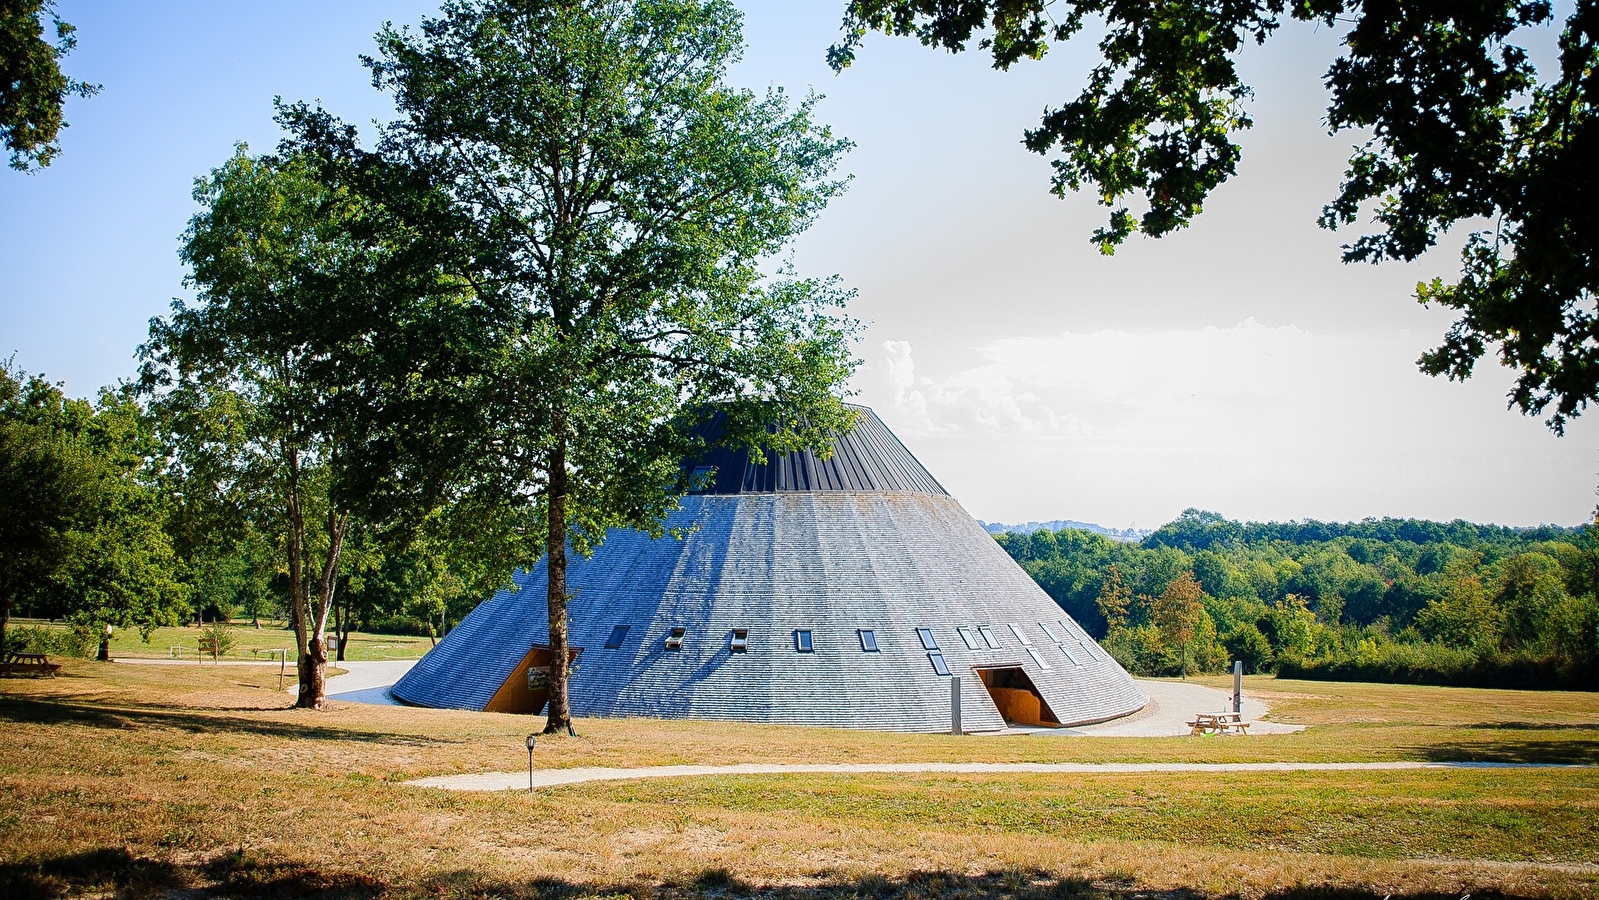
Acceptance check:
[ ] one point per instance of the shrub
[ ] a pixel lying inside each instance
(1427, 663)
(401, 624)
(1248, 644)
(221, 632)
(78, 640)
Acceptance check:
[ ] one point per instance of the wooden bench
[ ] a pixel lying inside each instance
(1218, 723)
(29, 664)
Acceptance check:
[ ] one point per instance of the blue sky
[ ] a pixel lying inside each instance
(1236, 365)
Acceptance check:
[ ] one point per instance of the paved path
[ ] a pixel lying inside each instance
(1172, 706)
(362, 681)
(505, 781)
(368, 682)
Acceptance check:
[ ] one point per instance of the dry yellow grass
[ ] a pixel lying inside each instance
(125, 780)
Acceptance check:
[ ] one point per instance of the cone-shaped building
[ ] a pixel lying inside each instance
(846, 591)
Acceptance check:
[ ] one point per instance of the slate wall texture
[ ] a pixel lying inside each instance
(832, 562)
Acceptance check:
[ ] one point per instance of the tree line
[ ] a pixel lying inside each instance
(1382, 599)
(102, 528)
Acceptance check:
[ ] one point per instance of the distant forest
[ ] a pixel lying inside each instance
(1381, 600)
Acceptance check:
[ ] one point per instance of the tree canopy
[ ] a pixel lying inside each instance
(83, 519)
(32, 86)
(1464, 130)
(318, 382)
(1382, 599)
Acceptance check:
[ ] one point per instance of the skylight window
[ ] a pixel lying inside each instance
(1090, 653)
(1049, 632)
(926, 637)
(1021, 635)
(618, 635)
(802, 641)
(1069, 655)
(702, 479)
(967, 637)
(741, 640)
(868, 640)
(1038, 659)
(674, 641)
(939, 666)
(988, 637)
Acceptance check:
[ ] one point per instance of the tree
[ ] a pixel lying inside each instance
(45, 492)
(319, 378)
(32, 87)
(620, 199)
(1177, 613)
(1114, 599)
(1464, 129)
(81, 518)
(1248, 645)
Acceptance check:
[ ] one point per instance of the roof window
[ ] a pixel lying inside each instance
(1021, 635)
(967, 637)
(1038, 659)
(925, 635)
(741, 640)
(802, 641)
(868, 640)
(674, 641)
(1070, 655)
(618, 635)
(702, 479)
(988, 637)
(939, 666)
(1049, 632)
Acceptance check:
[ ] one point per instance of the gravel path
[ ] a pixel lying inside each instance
(506, 781)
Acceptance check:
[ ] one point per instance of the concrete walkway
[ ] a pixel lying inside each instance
(362, 681)
(368, 682)
(1172, 706)
(507, 781)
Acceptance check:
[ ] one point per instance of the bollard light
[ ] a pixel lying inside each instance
(531, 740)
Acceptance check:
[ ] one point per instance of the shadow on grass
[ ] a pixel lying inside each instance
(32, 711)
(1534, 726)
(1504, 749)
(115, 872)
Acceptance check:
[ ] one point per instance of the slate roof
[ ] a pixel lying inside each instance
(868, 458)
(832, 562)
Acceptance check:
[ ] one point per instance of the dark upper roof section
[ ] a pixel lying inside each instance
(868, 458)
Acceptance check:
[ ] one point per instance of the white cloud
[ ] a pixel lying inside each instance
(1254, 421)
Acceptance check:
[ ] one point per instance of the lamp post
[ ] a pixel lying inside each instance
(531, 740)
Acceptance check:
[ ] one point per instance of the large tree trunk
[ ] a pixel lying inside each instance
(341, 630)
(313, 668)
(309, 674)
(314, 662)
(560, 716)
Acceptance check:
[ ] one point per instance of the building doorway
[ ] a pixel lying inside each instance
(526, 691)
(1017, 698)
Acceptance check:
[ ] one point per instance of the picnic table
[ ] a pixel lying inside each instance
(1218, 723)
(28, 664)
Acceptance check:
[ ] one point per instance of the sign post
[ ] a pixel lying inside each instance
(1238, 686)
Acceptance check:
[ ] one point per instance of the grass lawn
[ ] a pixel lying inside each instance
(192, 782)
(249, 642)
